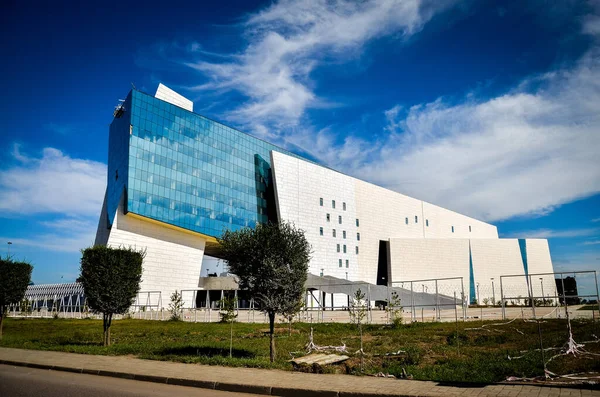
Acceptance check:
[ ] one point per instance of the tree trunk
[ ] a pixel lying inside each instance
(107, 319)
(290, 327)
(1, 320)
(230, 338)
(362, 353)
(272, 335)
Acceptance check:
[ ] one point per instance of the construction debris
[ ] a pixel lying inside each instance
(310, 346)
(319, 359)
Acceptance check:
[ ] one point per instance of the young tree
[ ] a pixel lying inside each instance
(292, 308)
(228, 315)
(14, 279)
(176, 306)
(394, 310)
(271, 262)
(358, 313)
(111, 280)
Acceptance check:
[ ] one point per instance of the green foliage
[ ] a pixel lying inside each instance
(358, 313)
(394, 310)
(111, 280)
(227, 312)
(15, 276)
(271, 263)
(428, 349)
(358, 308)
(176, 306)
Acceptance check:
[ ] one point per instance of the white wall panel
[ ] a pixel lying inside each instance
(173, 257)
(168, 95)
(422, 259)
(382, 214)
(493, 258)
(299, 187)
(539, 261)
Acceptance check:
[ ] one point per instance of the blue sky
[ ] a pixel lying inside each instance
(489, 108)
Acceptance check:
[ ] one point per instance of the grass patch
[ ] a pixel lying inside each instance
(431, 351)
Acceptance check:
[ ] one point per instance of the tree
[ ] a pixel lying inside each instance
(111, 280)
(271, 262)
(292, 308)
(14, 279)
(394, 310)
(358, 313)
(228, 315)
(176, 306)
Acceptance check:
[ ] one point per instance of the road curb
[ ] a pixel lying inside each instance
(202, 384)
(246, 388)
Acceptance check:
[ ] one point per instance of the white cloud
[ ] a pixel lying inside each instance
(66, 241)
(288, 39)
(525, 152)
(54, 183)
(594, 242)
(591, 23)
(550, 233)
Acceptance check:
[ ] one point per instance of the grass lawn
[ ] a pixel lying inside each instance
(431, 350)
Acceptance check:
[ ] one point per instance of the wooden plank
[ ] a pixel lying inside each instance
(320, 359)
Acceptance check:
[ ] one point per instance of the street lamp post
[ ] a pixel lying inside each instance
(9, 244)
(478, 301)
(543, 296)
(493, 292)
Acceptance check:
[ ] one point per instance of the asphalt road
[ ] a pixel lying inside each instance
(28, 382)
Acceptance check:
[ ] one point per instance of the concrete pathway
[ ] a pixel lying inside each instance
(261, 381)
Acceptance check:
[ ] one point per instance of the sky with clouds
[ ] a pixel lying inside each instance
(489, 108)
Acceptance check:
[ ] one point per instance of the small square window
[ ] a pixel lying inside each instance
(332, 203)
(340, 219)
(344, 248)
(452, 229)
(344, 206)
(427, 222)
(333, 232)
(357, 223)
(340, 262)
(416, 219)
(344, 234)
(347, 263)
(338, 248)
(357, 250)
(328, 217)
(321, 231)
(358, 236)
(321, 201)
(406, 220)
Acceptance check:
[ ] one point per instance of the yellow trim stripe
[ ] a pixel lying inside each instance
(209, 239)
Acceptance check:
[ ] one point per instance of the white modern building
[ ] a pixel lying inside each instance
(176, 180)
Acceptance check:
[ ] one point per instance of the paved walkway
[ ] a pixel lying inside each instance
(261, 381)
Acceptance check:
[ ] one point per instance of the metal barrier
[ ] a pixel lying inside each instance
(545, 295)
(437, 293)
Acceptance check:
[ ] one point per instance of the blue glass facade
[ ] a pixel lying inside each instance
(183, 169)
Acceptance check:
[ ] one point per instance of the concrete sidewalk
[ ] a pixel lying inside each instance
(261, 381)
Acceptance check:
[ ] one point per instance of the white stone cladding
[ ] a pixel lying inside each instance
(173, 257)
(382, 215)
(493, 258)
(425, 259)
(539, 261)
(300, 186)
(168, 95)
